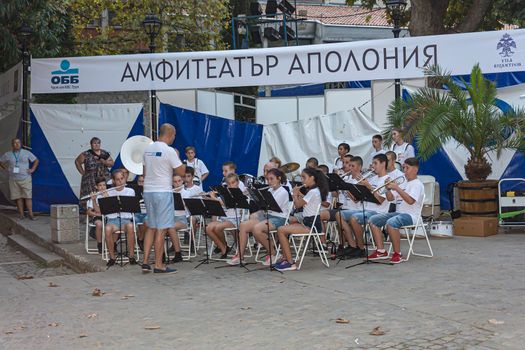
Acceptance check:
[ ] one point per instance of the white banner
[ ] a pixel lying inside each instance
(497, 51)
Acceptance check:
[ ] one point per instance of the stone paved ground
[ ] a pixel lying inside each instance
(440, 303)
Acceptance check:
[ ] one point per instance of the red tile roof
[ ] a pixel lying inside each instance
(345, 15)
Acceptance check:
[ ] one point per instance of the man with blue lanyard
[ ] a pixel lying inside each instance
(17, 162)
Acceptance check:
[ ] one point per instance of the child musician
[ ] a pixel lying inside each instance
(215, 229)
(201, 171)
(317, 186)
(124, 223)
(379, 165)
(407, 212)
(342, 150)
(93, 210)
(258, 226)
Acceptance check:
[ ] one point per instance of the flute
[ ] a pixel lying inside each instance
(175, 189)
(100, 192)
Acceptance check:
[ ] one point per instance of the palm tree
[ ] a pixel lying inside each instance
(470, 116)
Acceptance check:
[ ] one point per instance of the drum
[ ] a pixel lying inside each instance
(442, 229)
(247, 179)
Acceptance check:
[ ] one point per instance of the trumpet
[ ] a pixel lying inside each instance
(100, 192)
(382, 189)
(367, 175)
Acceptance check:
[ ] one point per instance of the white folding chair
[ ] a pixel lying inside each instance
(429, 182)
(300, 250)
(231, 233)
(122, 236)
(411, 231)
(273, 233)
(89, 225)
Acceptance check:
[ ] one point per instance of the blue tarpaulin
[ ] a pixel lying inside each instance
(216, 140)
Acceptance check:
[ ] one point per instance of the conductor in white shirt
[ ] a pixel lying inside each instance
(161, 162)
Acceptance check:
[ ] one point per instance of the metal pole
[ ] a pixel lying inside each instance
(153, 99)
(26, 64)
(234, 34)
(397, 82)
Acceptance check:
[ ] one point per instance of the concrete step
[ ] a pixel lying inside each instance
(35, 251)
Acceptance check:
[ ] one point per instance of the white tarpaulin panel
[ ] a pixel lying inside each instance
(69, 128)
(318, 137)
(496, 51)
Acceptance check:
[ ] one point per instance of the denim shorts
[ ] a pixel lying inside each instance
(380, 219)
(358, 215)
(227, 219)
(159, 206)
(308, 221)
(276, 221)
(116, 222)
(400, 220)
(140, 218)
(181, 218)
(346, 214)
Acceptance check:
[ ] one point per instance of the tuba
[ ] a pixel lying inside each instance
(132, 153)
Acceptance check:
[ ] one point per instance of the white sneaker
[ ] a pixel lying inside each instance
(266, 261)
(234, 261)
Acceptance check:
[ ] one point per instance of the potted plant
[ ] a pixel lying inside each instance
(469, 115)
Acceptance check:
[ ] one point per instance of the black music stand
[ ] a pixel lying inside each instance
(233, 198)
(118, 205)
(336, 184)
(207, 208)
(363, 194)
(266, 202)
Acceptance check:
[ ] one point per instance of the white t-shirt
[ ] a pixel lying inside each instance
(349, 202)
(377, 181)
(338, 163)
(159, 161)
(403, 151)
(416, 190)
(394, 174)
(89, 203)
(126, 191)
(282, 198)
(375, 153)
(313, 200)
(199, 166)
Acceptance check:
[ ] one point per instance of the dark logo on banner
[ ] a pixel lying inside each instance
(506, 47)
(506, 43)
(66, 77)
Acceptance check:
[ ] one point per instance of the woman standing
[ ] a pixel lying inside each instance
(92, 164)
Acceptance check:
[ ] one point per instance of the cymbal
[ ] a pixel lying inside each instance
(289, 167)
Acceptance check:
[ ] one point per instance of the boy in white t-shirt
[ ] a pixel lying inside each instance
(408, 211)
(201, 171)
(123, 223)
(93, 210)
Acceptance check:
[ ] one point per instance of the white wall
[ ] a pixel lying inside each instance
(310, 106)
(216, 103)
(345, 99)
(383, 93)
(272, 110)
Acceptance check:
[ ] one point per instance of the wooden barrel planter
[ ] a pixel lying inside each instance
(478, 198)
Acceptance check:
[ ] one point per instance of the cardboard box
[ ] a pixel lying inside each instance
(476, 226)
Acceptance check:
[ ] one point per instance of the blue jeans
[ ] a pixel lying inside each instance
(381, 219)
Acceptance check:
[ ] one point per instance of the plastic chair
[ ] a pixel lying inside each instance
(272, 234)
(89, 225)
(121, 236)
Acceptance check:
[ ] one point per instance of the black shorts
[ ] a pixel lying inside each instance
(309, 222)
(96, 218)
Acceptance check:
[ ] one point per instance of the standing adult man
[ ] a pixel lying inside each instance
(16, 162)
(161, 162)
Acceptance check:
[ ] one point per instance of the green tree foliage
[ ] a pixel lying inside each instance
(47, 18)
(115, 26)
(427, 17)
(470, 116)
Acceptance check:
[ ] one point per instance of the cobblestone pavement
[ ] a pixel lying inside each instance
(16, 263)
(469, 296)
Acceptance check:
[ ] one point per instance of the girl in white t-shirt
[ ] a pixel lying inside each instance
(215, 229)
(258, 226)
(402, 149)
(317, 186)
